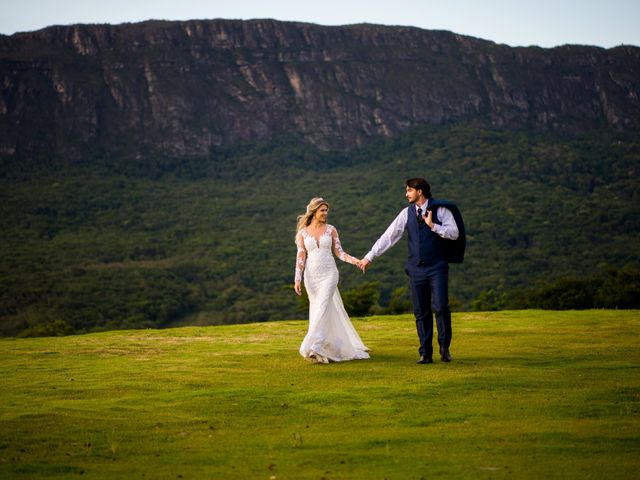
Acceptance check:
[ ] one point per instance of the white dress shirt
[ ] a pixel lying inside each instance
(448, 230)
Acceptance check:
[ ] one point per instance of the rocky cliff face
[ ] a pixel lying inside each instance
(179, 88)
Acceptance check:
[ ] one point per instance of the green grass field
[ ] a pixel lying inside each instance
(529, 394)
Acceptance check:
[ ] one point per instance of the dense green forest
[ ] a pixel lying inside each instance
(157, 242)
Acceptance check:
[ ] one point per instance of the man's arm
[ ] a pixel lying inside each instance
(389, 238)
(448, 228)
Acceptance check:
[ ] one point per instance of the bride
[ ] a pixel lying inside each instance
(331, 337)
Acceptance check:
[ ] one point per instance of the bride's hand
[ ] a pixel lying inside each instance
(358, 263)
(298, 288)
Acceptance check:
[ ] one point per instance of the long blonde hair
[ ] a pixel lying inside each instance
(304, 220)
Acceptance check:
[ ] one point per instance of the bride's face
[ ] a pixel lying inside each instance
(321, 214)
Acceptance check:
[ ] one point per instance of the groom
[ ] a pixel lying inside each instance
(434, 241)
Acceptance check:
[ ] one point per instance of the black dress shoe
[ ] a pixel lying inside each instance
(425, 359)
(445, 356)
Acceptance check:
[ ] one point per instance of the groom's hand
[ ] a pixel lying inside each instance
(428, 218)
(364, 264)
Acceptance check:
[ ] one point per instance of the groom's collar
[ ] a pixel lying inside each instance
(423, 206)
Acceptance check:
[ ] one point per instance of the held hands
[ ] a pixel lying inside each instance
(364, 263)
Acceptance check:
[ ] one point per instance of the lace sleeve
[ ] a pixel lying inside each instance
(301, 257)
(337, 248)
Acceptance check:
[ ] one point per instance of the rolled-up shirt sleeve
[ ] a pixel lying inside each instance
(390, 237)
(448, 228)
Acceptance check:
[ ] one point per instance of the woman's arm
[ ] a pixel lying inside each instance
(339, 252)
(301, 259)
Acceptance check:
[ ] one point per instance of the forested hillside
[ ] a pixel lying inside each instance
(151, 173)
(105, 244)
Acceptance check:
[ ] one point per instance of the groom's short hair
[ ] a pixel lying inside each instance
(420, 184)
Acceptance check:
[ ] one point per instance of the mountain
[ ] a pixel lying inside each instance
(151, 174)
(178, 89)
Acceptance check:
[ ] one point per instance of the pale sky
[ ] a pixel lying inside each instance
(546, 23)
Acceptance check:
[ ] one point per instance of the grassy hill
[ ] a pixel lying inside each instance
(529, 394)
(159, 242)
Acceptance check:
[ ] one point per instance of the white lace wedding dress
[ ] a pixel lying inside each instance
(331, 336)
